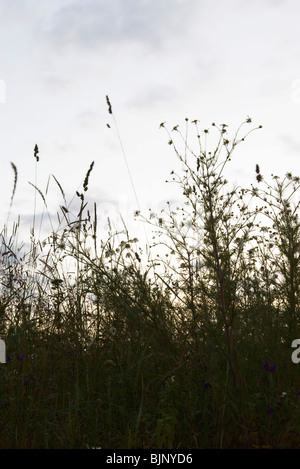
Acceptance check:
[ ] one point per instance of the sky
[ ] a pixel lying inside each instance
(158, 61)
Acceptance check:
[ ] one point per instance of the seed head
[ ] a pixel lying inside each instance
(36, 152)
(109, 105)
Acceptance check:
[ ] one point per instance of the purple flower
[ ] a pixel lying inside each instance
(9, 358)
(270, 366)
(26, 382)
(21, 357)
(270, 410)
(207, 385)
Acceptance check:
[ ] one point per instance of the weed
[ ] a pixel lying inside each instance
(189, 348)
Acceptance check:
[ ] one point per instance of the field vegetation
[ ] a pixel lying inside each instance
(184, 343)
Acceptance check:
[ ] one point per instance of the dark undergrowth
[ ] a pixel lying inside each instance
(107, 347)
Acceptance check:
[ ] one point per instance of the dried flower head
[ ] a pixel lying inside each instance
(86, 180)
(36, 152)
(109, 105)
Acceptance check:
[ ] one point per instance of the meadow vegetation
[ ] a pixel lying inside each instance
(182, 344)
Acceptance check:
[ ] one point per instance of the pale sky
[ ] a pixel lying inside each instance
(157, 60)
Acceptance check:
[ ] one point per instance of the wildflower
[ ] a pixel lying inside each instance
(26, 382)
(9, 358)
(21, 357)
(207, 385)
(270, 410)
(270, 366)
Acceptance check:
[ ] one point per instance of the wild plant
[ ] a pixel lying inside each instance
(281, 267)
(186, 349)
(209, 238)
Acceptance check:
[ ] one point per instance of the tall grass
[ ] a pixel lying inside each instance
(192, 350)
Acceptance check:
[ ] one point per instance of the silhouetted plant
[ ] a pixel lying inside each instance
(189, 350)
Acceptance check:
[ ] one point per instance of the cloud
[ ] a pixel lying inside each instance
(55, 84)
(291, 144)
(154, 95)
(95, 23)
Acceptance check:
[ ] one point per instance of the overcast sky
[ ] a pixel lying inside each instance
(157, 60)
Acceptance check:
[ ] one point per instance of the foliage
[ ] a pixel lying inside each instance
(192, 350)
